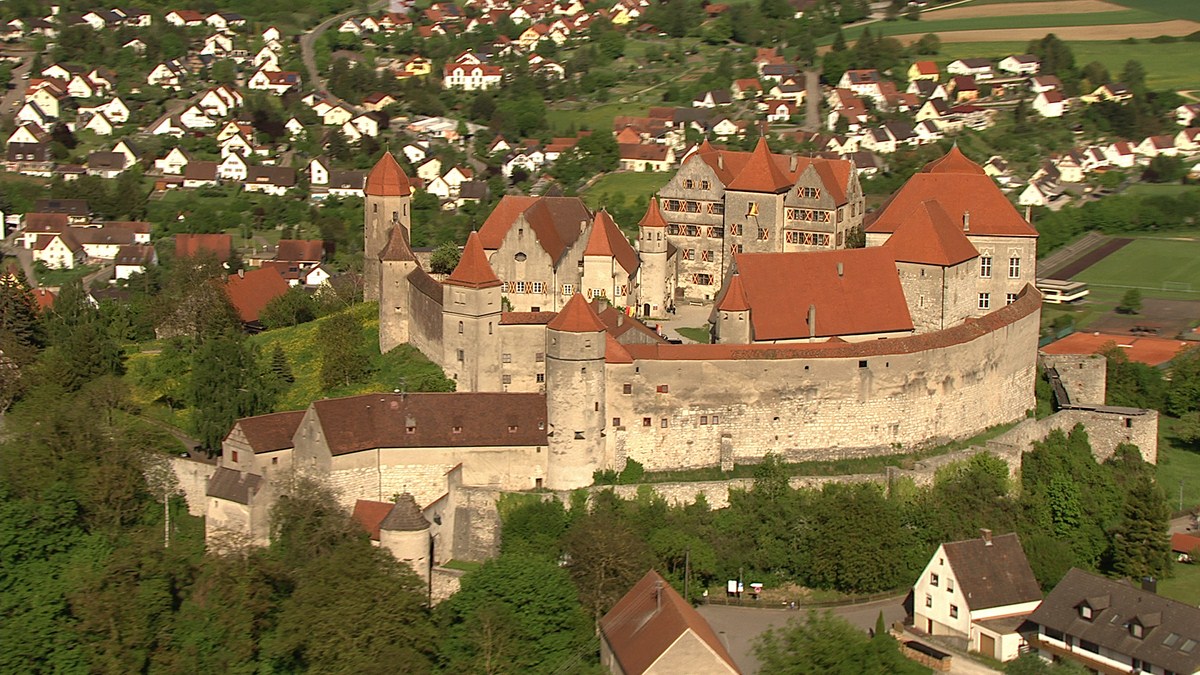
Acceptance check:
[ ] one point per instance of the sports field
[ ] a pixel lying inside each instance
(1159, 267)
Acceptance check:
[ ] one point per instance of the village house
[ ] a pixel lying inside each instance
(979, 589)
(1020, 64)
(646, 157)
(274, 81)
(1049, 104)
(1115, 92)
(923, 70)
(980, 69)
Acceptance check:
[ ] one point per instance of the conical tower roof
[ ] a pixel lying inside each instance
(653, 217)
(473, 270)
(577, 317)
(405, 516)
(761, 173)
(735, 296)
(397, 248)
(387, 179)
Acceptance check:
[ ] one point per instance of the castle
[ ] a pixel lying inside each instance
(819, 351)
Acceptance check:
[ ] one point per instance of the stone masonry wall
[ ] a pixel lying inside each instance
(193, 478)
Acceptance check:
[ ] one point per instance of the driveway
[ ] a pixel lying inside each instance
(739, 627)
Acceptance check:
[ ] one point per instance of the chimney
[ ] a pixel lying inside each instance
(793, 164)
(841, 270)
(658, 588)
(1150, 585)
(966, 221)
(720, 161)
(987, 536)
(812, 322)
(1029, 214)
(242, 273)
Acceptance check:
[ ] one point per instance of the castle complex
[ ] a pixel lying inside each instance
(819, 351)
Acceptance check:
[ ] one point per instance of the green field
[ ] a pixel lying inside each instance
(1176, 9)
(1148, 264)
(932, 25)
(1168, 66)
(630, 185)
(591, 116)
(1160, 189)
(1183, 584)
(1177, 464)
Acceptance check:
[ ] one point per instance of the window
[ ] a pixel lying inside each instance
(1010, 298)
(1136, 630)
(752, 209)
(275, 460)
(506, 379)
(735, 248)
(456, 429)
(460, 356)
(1014, 268)
(689, 184)
(541, 377)
(716, 208)
(735, 229)
(233, 456)
(706, 256)
(568, 289)
(953, 611)
(410, 429)
(763, 234)
(664, 388)
(460, 328)
(985, 267)
(539, 357)
(520, 287)
(506, 358)
(809, 193)
(704, 185)
(538, 287)
(627, 389)
(689, 254)
(949, 585)
(663, 423)
(703, 420)
(702, 279)
(616, 421)
(928, 600)
(985, 301)
(933, 579)
(714, 232)
(646, 421)
(716, 419)
(1085, 612)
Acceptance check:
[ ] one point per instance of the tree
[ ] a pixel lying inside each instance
(294, 307)
(20, 327)
(343, 350)
(913, 13)
(929, 44)
(1183, 393)
(823, 643)
(1165, 169)
(280, 366)
(606, 558)
(517, 613)
(1141, 545)
(1134, 76)
(1131, 302)
(227, 383)
(444, 258)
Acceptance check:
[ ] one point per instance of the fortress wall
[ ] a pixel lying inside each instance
(425, 316)
(1085, 376)
(193, 482)
(820, 408)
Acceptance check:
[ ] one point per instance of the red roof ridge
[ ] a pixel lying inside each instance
(929, 235)
(387, 179)
(653, 217)
(598, 240)
(760, 174)
(615, 352)
(953, 162)
(735, 296)
(473, 269)
(577, 316)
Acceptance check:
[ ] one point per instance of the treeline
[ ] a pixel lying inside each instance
(1118, 214)
(1069, 510)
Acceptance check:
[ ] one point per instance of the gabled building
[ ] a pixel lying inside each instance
(980, 589)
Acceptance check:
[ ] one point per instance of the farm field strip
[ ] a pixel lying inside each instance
(975, 9)
(1006, 22)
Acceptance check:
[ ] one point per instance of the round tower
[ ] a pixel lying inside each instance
(575, 342)
(387, 200)
(405, 532)
(654, 295)
(733, 314)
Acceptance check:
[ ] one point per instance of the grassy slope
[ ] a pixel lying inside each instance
(1168, 66)
(629, 185)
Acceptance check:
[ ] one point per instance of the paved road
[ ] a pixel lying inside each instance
(310, 38)
(12, 98)
(739, 627)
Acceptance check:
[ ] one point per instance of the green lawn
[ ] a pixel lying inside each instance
(1183, 585)
(1177, 464)
(1160, 189)
(1168, 66)
(58, 278)
(700, 334)
(1148, 264)
(904, 27)
(588, 116)
(630, 185)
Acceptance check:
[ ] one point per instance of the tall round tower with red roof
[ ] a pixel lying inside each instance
(575, 341)
(388, 195)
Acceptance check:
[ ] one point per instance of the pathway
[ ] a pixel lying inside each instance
(309, 39)
(20, 77)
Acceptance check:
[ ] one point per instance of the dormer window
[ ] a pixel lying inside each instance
(457, 430)
(1137, 630)
(1085, 612)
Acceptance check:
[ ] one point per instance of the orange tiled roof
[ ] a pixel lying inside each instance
(387, 179)
(734, 299)
(760, 174)
(653, 217)
(473, 270)
(930, 236)
(606, 239)
(577, 317)
(251, 292)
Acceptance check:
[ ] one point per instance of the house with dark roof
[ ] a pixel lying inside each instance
(1112, 626)
(981, 589)
(652, 629)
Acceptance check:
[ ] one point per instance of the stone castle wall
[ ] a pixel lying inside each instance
(679, 412)
(193, 478)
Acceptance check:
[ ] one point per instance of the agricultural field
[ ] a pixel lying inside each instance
(1168, 268)
(1179, 9)
(1168, 65)
(1118, 24)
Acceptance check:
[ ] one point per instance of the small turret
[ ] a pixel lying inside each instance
(733, 314)
(471, 308)
(575, 346)
(387, 199)
(405, 532)
(653, 293)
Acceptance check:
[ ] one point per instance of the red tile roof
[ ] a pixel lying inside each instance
(1028, 302)
(501, 218)
(734, 298)
(189, 245)
(854, 291)
(760, 174)
(270, 433)
(1184, 543)
(926, 67)
(251, 292)
(387, 179)
(649, 619)
(607, 240)
(728, 164)
(43, 298)
(653, 217)
(577, 317)
(526, 318)
(960, 186)
(370, 514)
(432, 420)
(473, 270)
(397, 247)
(556, 221)
(929, 236)
(300, 250)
